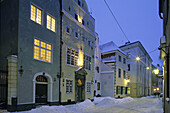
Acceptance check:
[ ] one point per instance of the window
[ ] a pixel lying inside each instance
(42, 50)
(128, 67)
(121, 90)
(68, 30)
(72, 56)
(87, 62)
(98, 86)
(76, 16)
(36, 14)
(119, 73)
(89, 43)
(97, 68)
(79, 3)
(120, 59)
(83, 21)
(127, 91)
(118, 90)
(51, 23)
(69, 86)
(124, 74)
(88, 87)
(124, 90)
(76, 35)
(124, 60)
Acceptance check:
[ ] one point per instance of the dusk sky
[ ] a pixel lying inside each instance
(138, 18)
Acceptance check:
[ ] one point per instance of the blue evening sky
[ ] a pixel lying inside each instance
(138, 18)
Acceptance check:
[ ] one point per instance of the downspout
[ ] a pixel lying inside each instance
(61, 43)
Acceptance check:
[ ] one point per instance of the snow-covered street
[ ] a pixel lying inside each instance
(107, 105)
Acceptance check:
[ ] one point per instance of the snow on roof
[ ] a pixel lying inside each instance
(110, 46)
(107, 72)
(105, 60)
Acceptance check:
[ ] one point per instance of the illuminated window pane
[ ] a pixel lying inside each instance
(33, 12)
(49, 46)
(42, 51)
(50, 23)
(43, 54)
(36, 14)
(36, 42)
(48, 56)
(36, 52)
(43, 44)
(53, 25)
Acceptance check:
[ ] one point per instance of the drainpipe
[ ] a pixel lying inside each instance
(168, 74)
(61, 43)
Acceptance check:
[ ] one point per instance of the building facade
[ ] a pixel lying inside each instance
(139, 69)
(164, 13)
(117, 59)
(77, 52)
(30, 43)
(154, 85)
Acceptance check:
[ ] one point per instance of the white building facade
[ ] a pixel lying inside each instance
(139, 70)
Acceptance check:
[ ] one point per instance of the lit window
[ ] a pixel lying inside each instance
(36, 14)
(72, 56)
(51, 23)
(87, 62)
(42, 50)
(88, 87)
(69, 86)
(98, 86)
(118, 90)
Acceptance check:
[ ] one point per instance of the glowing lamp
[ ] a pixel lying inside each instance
(79, 19)
(156, 71)
(147, 68)
(137, 58)
(157, 89)
(80, 59)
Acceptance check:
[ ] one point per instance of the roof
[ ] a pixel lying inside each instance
(110, 46)
(137, 42)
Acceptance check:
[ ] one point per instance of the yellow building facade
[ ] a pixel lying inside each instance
(78, 37)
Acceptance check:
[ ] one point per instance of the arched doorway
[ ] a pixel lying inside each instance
(41, 90)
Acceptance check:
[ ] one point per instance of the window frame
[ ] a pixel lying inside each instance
(124, 74)
(69, 86)
(120, 58)
(42, 13)
(119, 73)
(88, 83)
(52, 17)
(69, 29)
(124, 60)
(75, 65)
(40, 51)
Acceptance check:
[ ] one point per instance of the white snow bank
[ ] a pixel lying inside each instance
(85, 105)
(49, 109)
(107, 101)
(124, 100)
(148, 97)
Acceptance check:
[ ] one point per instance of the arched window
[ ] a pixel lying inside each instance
(41, 78)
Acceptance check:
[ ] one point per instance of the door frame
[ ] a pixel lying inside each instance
(49, 85)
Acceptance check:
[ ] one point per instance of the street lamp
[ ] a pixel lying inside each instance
(156, 71)
(147, 68)
(137, 58)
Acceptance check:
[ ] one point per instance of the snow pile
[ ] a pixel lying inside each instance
(148, 97)
(107, 101)
(124, 100)
(85, 105)
(49, 109)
